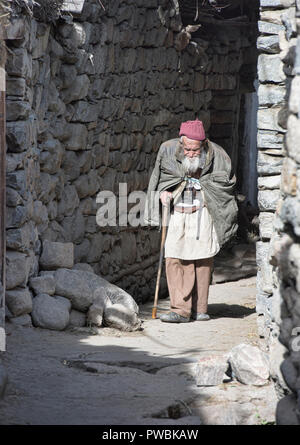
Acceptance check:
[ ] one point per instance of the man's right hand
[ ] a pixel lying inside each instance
(165, 198)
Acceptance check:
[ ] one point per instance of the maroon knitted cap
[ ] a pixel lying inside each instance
(192, 130)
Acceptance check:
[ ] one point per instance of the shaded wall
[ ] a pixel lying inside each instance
(3, 23)
(278, 167)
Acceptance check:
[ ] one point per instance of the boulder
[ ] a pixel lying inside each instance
(210, 370)
(19, 301)
(249, 365)
(121, 317)
(84, 288)
(115, 294)
(95, 314)
(77, 318)
(96, 310)
(22, 320)
(76, 285)
(65, 301)
(43, 285)
(49, 313)
(57, 255)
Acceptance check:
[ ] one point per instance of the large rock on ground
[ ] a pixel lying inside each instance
(90, 293)
(76, 285)
(120, 317)
(65, 301)
(235, 404)
(50, 312)
(210, 370)
(249, 365)
(95, 314)
(84, 288)
(116, 295)
(56, 255)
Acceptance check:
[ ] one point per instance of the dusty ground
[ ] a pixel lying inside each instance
(142, 378)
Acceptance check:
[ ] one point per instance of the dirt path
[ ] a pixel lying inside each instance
(146, 377)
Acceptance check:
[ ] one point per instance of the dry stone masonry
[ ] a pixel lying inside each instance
(90, 98)
(278, 169)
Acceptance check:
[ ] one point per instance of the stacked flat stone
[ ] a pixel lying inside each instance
(89, 101)
(278, 251)
(272, 44)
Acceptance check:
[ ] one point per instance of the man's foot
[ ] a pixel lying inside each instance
(172, 317)
(198, 316)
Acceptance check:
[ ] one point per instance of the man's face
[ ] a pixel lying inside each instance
(191, 148)
(194, 155)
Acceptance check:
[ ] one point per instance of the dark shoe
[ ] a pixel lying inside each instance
(198, 316)
(172, 317)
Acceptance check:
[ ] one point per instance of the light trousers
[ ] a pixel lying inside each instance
(188, 284)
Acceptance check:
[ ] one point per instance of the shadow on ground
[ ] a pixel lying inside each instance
(64, 378)
(147, 377)
(222, 310)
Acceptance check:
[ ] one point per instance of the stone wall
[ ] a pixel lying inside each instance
(90, 98)
(271, 122)
(3, 23)
(278, 251)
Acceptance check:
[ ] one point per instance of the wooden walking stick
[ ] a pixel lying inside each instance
(165, 212)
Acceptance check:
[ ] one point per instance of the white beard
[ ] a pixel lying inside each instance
(191, 165)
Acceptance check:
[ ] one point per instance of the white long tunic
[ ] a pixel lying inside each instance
(181, 241)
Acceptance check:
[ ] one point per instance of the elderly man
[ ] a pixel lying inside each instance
(195, 176)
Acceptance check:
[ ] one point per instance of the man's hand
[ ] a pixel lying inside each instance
(165, 198)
